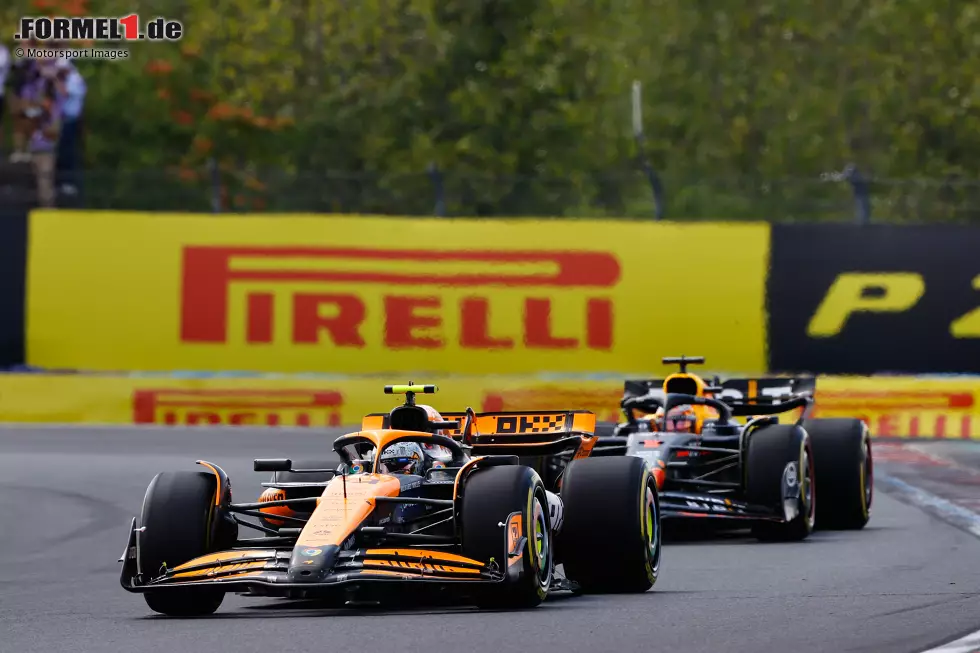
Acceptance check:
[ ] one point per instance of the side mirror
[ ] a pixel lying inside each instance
(272, 464)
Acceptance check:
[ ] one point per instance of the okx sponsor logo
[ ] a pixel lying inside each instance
(875, 299)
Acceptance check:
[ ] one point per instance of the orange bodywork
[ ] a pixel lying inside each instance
(275, 494)
(225, 557)
(372, 422)
(336, 516)
(544, 423)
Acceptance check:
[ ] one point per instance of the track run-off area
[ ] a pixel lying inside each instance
(909, 582)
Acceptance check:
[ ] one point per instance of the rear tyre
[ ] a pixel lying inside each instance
(844, 471)
(780, 457)
(491, 498)
(178, 511)
(610, 541)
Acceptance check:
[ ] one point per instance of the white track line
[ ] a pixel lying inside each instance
(942, 508)
(954, 514)
(968, 644)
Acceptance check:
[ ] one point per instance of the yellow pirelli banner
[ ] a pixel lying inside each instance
(363, 295)
(906, 408)
(283, 402)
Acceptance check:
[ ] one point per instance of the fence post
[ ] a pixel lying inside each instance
(215, 185)
(437, 185)
(638, 135)
(862, 193)
(658, 190)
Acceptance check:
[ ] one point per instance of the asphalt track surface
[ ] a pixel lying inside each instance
(908, 582)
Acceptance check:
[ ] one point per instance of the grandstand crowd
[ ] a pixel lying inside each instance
(41, 112)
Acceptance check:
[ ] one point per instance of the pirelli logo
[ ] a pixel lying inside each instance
(397, 298)
(306, 408)
(906, 413)
(893, 400)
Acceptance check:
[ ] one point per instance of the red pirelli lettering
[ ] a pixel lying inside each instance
(475, 332)
(343, 324)
(405, 315)
(237, 407)
(209, 272)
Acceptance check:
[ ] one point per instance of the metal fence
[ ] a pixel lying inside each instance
(840, 196)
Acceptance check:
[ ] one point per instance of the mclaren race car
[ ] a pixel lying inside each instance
(453, 503)
(782, 479)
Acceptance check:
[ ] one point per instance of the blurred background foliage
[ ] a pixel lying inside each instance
(523, 107)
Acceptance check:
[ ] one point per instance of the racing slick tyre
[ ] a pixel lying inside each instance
(779, 459)
(844, 472)
(177, 514)
(491, 497)
(610, 541)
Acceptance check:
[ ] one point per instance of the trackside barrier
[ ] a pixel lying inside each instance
(13, 261)
(109, 291)
(893, 407)
(356, 295)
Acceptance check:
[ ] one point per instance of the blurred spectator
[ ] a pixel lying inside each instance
(4, 71)
(44, 112)
(23, 74)
(71, 96)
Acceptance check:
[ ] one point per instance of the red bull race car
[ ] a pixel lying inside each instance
(421, 502)
(781, 479)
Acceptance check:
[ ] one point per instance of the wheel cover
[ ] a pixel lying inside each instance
(540, 541)
(651, 527)
(806, 487)
(867, 478)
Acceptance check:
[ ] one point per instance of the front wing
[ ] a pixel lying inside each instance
(265, 571)
(683, 505)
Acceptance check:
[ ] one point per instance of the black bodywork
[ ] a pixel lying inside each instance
(703, 475)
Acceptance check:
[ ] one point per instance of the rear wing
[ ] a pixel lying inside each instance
(748, 396)
(768, 396)
(523, 433)
(529, 433)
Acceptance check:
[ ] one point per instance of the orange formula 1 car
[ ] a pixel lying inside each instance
(421, 501)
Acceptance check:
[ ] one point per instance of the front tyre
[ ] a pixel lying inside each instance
(780, 476)
(844, 471)
(610, 541)
(177, 515)
(496, 499)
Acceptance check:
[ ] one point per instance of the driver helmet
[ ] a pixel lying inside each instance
(654, 421)
(437, 457)
(681, 419)
(401, 458)
(436, 453)
(434, 416)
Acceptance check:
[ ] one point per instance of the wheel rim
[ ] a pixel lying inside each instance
(652, 528)
(867, 477)
(806, 487)
(540, 542)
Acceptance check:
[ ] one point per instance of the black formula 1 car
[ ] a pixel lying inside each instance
(421, 502)
(783, 480)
